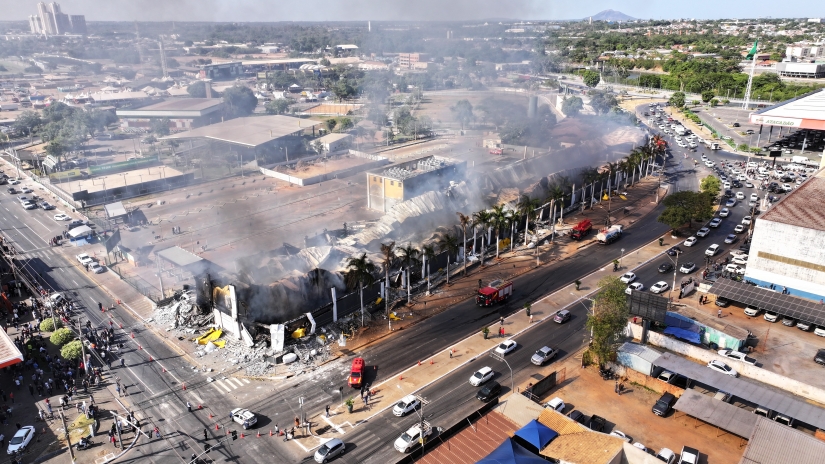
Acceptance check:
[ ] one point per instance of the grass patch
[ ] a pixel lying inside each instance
(80, 427)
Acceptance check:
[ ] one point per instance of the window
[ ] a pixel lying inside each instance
(392, 183)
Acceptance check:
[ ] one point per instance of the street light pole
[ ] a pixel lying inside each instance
(501, 358)
(420, 419)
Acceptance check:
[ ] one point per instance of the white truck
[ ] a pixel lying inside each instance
(608, 236)
(689, 456)
(9, 106)
(680, 130)
(800, 159)
(413, 436)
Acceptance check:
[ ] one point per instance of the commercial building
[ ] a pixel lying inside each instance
(221, 71)
(801, 70)
(805, 51)
(413, 60)
(401, 181)
(182, 113)
(335, 142)
(51, 20)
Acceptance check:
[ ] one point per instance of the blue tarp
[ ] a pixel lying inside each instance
(537, 434)
(688, 335)
(511, 452)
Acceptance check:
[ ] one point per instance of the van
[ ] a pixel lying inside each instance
(762, 411)
(783, 419)
(751, 311)
(356, 375)
(803, 326)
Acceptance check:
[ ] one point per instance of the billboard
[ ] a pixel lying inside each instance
(647, 306)
(112, 241)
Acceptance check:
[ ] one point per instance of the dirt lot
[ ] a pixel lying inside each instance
(585, 390)
(437, 105)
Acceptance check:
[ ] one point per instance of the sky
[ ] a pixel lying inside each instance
(377, 10)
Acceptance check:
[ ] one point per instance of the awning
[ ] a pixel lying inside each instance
(9, 354)
(80, 231)
(768, 300)
(749, 390)
(537, 434)
(114, 210)
(511, 452)
(726, 416)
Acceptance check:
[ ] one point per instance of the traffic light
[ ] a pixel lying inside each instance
(234, 435)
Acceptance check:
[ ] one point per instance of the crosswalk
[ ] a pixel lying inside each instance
(227, 384)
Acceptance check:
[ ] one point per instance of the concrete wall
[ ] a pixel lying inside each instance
(752, 372)
(134, 190)
(375, 161)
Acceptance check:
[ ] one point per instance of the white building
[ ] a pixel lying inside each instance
(788, 246)
(805, 51)
(335, 142)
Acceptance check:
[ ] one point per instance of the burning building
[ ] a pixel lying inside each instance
(400, 182)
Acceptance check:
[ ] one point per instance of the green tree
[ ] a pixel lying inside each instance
(674, 217)
(33, 69)
(197, 89)
(239, 101)
(711, 185)
(608, 319)
(360, 273)
(27, 121)
(72, 350)
(47, 325)
(603, 102)
(707, 95)
(331, 123)
(677, 99)
(572, 106)
(388, 260)
(409, 258)
(463, 111)
(591, 78)
(56, 149)
(160, 127)
(61, 336)
(278, 106)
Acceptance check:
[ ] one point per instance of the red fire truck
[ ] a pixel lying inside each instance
(357, 373)
(581, 229)
(497, 291)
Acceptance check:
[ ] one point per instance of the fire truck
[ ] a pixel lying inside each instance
(495, 292)
(581, 229)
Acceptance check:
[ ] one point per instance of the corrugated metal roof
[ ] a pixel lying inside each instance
(473, 443)
(769, 300)
(726, 416)
(645, 352)
(576, 443)
(179, 257)
(748, 390)
(797, 209)
(772, 442)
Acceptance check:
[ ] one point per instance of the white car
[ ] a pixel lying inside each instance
(29, 205)
(95, 267)
(26, 190)
(754, 197)
(84, 259)
(666, 455)
(746, 220)
(731, 201)
(724, 212)
(482, 375)
(243, 417)
(681, 144)
(712, 250)
(14, 181)
(407, 405)
(715, 222)
(786, 187)
(692, 144)
(740, 260)
(21, 439)
(659, 287)
(620, 434)
(635, 286)
(722, 368)
(687, 268)
(690, 241)
(739, 229)
(62, 217)
(640, 446)
(703, 232)
(737, 355)
(506, 346)
(740, 196)
(627, 278)
(556, 404)
(54, 300)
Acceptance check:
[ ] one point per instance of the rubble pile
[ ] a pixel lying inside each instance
(181, 313)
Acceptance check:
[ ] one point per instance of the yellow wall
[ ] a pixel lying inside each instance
(391, 188)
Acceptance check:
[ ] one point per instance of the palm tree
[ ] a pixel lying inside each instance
(555, 194)
(448, 243)
(465, 221)
(360, 272)
(499, 219)
(527, 207)
(409, 257)
(388, 253)
(428, 253)
(483, 218)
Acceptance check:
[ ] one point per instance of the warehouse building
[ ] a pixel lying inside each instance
(183, 114)
(399, 182)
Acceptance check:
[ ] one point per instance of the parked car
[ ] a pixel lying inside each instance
(663, 404)
(820, 357)
(703, 232)
(506, 346)
(21, 440)
(722, 368)
(542, 355)
(771, 316)
(721, 302)
(95, 267)
(715, 222)
(724, 212)
(737, 355)
(244, 417)
(556, 404)
(596, 423)
(730, 238)
(62, 217)
(712, 250)
(690, 241)
(46, 206)
(666, 455)
(577, 415)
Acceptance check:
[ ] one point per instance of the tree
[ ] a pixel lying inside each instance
(33, 69)
(278, 106)
(677, 99)
(707, 95)
(160, 127)
(609, 318)
(527, 208)
(603, 102)
(72, 350)
(463, 111)
(449, 244)
(464, 220)
(360, 272)
(409, 258)
(428, 254)
(711, 185)
(331, 123)
(501, 218)
(483, 219)
(55, 148)
(240, 101)
(591, 78)
(27, 121)
(674, 217)
(388, 253)
(61, 336)
(197, 89)
(48, 324)
(572, 106)
(685, 207)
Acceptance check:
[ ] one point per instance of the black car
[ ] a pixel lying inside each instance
(596, 423)
(721, 302)
(736, 124)
(728, 193)
(665, 267)
(662, 406)
(736, 184)
(577, 415)
(489, 391)
(820, 356)
(673, 251)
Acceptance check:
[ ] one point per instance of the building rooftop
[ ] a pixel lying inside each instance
(577, 443)
(251, 131)
(409, 169)
(775, 442)
(329, 138)
(802, 207)
(804, 112)
(183, 104)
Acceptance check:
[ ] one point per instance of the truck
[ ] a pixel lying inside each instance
(800, 159)
(608, 236)
(415, 435)
(495, 151)
(715, 146)
(680, 130)
(581, 229)
(497, 291)
(689, 456)
(9, 106)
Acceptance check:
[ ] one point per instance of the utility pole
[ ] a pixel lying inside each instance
(117, 427)
(68, 438)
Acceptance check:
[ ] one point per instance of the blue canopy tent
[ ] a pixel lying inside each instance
(537, 434)
(511, 452)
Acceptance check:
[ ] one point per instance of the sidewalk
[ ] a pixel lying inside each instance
(390, 391)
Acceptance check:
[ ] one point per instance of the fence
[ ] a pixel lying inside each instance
(138, 283)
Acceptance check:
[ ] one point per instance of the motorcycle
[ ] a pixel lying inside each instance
(607, 374)
(84, 443)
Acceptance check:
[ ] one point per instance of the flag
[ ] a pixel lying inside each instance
(752, 52)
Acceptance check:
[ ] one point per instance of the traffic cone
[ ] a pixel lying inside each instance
(121, 325)
(200, 406)
(184, 385)
(164, 369)
(210, 415)
(419, 362)
(118, 301)
(432, 362)
(140, 347)
(270, 432)
(400, 377)
(218, 427)
(151, 358)
(241, 434)
(132, 334)
(259, 434)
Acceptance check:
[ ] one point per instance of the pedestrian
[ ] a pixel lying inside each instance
(122, 362)
(205, 435)
(531, 318)
(501, 321)
(451, 353)
(2, 440)
(188, 404)
(616, 387)
(157, 432)
(31, 389)
(719, 313)
(297, 422)
(327, 410)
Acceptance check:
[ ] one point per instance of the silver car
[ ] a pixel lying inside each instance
(329, 450)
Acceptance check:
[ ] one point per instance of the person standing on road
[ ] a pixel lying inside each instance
(327, 410)
(188, 405)
(205, 435)
(122, 362)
